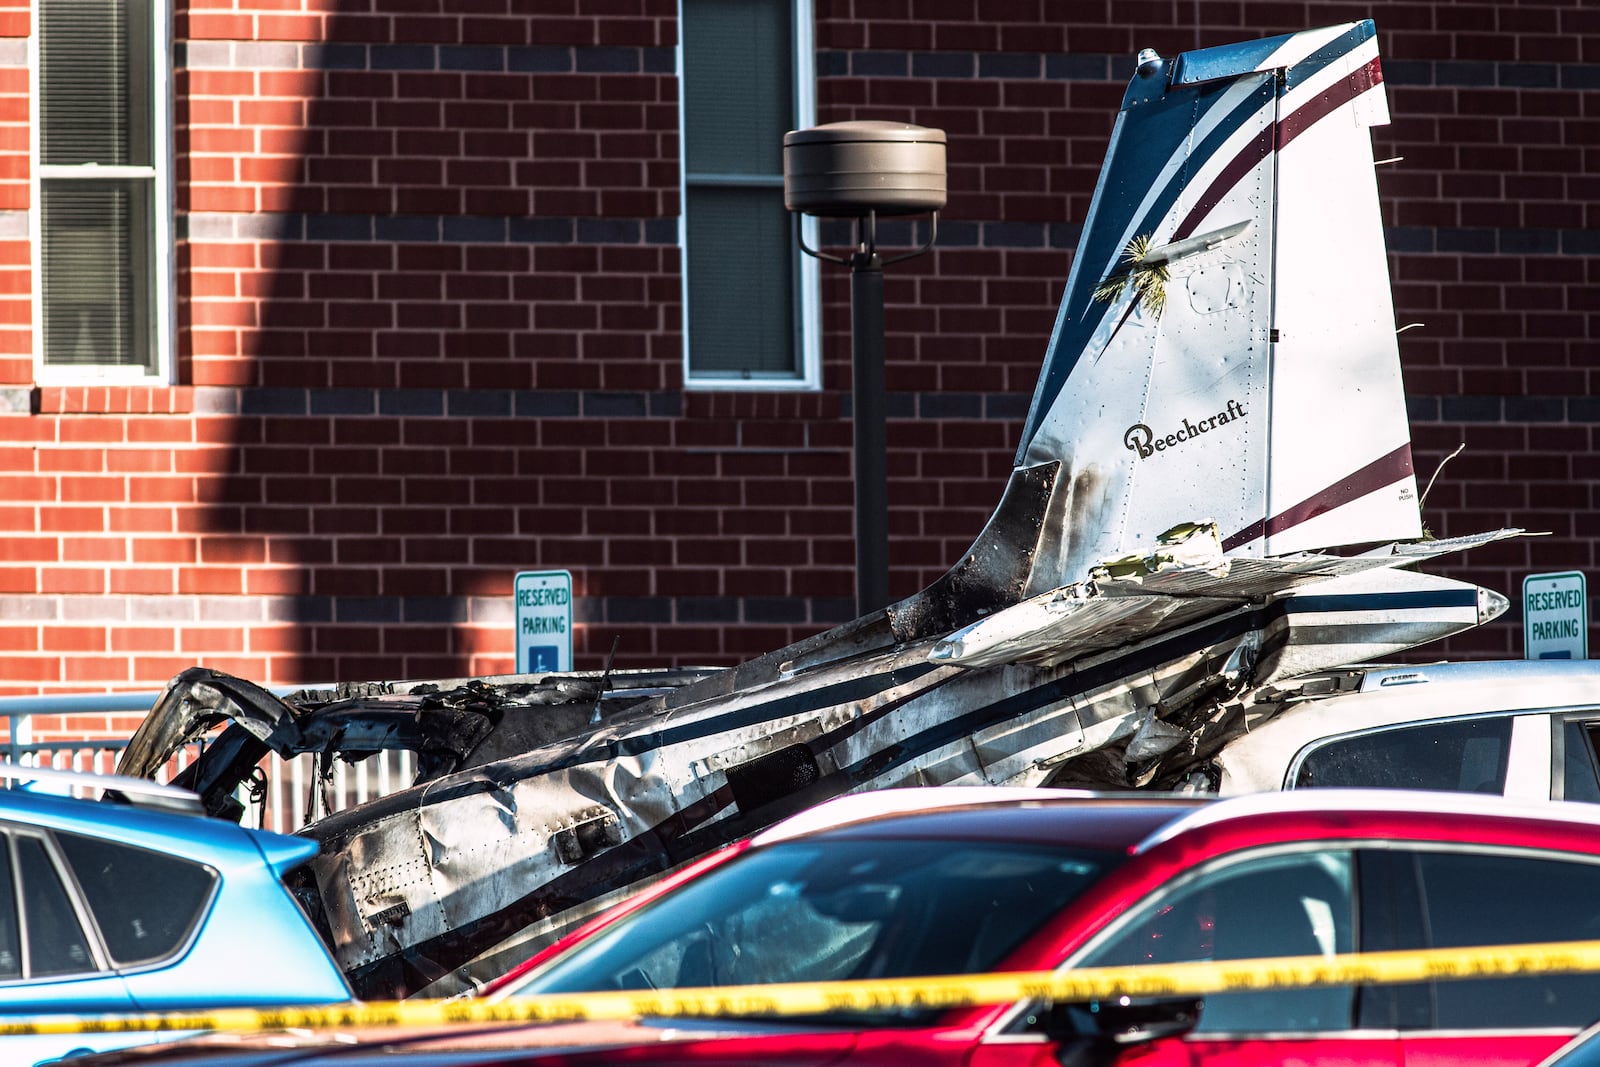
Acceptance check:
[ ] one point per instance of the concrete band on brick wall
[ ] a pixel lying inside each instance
(479, 229)
(545, 230)
(862, 63)
(169, 611)
(545, 404)
(1055, 66)
(424, 229)
(514, 59)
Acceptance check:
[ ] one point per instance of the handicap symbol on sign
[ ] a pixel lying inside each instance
(542, 658)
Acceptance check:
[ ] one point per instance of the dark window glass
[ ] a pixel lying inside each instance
(813, 912)
(1578, 780)
(96, 111)
(10, 932)
(145, 903)
(738, 85)
(94, 82)
(741, 316)
(96, 274)
(1391, 921)
(1463, 756)
(1298, 904)
(56, 942)
(740, 256)
(1507, 900)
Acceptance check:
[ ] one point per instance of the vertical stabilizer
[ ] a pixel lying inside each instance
(1225, 348)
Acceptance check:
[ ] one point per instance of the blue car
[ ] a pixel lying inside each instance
(139, 902)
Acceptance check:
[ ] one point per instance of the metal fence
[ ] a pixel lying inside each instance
(295, 792)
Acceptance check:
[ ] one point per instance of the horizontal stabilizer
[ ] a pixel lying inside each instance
(1114, 610)
(1416, 551)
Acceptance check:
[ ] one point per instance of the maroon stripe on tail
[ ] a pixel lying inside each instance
(1386, 470)
(1330, 99)
(1278, 135)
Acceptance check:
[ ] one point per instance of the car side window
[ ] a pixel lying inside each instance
(1285, 904)
(1578, 779)
(57, 944)
(10, 930)
(1476, 899)
(1461, 755)
(145, 903)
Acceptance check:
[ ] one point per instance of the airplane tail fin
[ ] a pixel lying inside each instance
(1225, 349)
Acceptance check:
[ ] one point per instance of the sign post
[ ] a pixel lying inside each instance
(544, 621)
(1555, 616)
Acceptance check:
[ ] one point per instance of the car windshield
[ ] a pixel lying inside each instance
(825, 910)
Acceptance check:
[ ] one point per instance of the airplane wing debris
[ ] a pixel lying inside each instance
(1042, 627)
(1191, 546)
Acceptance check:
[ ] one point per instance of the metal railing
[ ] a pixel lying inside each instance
(295, 792)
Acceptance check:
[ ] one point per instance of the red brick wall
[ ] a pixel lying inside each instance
(429, 331)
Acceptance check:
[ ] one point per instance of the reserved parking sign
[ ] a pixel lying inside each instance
(544, 621)
(1555, 616)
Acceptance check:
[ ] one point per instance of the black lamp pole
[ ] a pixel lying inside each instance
(871, 444)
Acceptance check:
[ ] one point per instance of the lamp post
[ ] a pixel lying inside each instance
(866, 170)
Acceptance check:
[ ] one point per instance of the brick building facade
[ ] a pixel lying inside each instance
(424, 324)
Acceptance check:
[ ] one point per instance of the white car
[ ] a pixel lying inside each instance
(1523, 728)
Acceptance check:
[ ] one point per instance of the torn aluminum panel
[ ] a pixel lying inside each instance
(1253, 413)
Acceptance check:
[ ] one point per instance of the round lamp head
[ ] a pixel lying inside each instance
(863, 167)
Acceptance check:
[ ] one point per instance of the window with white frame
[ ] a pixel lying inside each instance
(101, 214)
(750, 295)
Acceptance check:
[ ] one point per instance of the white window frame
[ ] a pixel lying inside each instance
(808, 299)
(162, 323)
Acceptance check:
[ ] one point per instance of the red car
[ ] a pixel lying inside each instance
(936, 881)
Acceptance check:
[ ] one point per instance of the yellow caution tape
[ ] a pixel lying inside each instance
(814, 998)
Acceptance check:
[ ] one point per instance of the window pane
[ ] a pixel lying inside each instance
(145, 903)
(1465, 756)
(1508, 900)
(94, 79)
(96, 271)
(741, 283)
(1579, 781)
(1284, 905)
(10, 932)
(738, 102)
(738, 85)
(56, 943)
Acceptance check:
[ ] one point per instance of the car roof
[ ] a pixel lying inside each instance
(1511, 671)
(1128, 821)
(1401, 696)
(1488, 685)
(961, 811)
(1343, 804)
(1101, 824)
